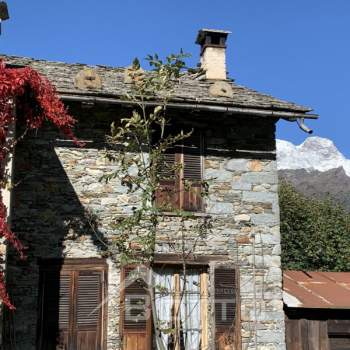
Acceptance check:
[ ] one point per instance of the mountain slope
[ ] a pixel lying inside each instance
(315, 168)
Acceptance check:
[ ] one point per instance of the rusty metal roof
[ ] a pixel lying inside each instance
(324, 290)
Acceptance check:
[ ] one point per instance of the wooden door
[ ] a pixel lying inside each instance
(72, 313)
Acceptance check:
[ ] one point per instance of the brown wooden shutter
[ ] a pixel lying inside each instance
(192, 173)
(72, 309)
(88, 309)
(65, 294)
(136, 324)
(167, 196)
(226, 327)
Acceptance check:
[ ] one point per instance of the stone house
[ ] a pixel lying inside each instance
(69, 296)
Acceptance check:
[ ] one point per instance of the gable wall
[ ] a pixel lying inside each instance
(57, 182)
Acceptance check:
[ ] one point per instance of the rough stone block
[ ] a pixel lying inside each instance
(260, 178)
(270, 336)
(237, 165)
(217, 175)
(265, 219)
(268, 238)
(221, 208)
(242, 218)
(260, 197)
(255, 165)
(241, 185)
(276, 249)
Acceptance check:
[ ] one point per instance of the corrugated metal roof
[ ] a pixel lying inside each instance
(322, 290)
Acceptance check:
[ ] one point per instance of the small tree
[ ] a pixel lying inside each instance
(315, 233)
(137, 145)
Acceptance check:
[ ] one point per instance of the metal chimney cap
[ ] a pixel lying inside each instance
(203, 33)
(4, 12)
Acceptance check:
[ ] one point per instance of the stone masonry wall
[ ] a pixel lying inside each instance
(57, 182)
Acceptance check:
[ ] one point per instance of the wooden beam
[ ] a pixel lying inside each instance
(204, 311)
(176, 259)
(177, 305)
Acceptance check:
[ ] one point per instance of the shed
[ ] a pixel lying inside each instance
(317, 310)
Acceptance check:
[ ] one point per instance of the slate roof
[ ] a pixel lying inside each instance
(190, 89)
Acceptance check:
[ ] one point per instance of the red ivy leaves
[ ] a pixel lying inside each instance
(3, 293)
(36, 101)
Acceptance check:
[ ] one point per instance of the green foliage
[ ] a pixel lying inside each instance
(315, 233)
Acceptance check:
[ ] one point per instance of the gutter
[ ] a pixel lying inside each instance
(198, 107)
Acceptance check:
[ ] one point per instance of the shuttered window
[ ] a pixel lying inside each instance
(181, 176)
(192, 173)
(182, 320)
(168, 196)
(65, 283)
(88, 298)
(136, 323)
(72, 311)
(226, 307)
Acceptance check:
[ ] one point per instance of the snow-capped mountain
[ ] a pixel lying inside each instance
(315, 153)
(315, 168)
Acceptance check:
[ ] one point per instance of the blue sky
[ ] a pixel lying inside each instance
(297, 50)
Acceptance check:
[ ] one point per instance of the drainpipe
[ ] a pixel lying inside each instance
(303, 127)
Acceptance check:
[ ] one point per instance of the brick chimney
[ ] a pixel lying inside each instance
(213, 52)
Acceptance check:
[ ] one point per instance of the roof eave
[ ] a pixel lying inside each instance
(196, 106)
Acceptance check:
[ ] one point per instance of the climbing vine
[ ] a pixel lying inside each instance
(35, 101)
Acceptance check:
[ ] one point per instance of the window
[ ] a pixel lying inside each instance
(181, 176)
(178, 308)
(71, 310)
(227, 327)
(136, 325)
(176, 311)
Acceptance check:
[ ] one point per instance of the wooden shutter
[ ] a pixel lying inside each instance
(192, 173)
(65, 296)
(72, 312)
(167, 196)
(136, 323)
(226, 327)
(88, 309)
